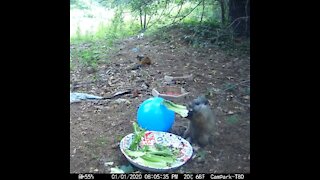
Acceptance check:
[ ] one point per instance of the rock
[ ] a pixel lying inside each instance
(115, 145)
(135, 67)
(140, 57)
(144, 86)
(91, 70)
(135, 50)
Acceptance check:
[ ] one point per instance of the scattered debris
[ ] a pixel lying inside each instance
(172, 79)
(111, 82)
(144, 86)
(108, 163)
(127, 72)
(135, 67)
(77, 97)
(140, 57)
(119, 101)
(170, 93)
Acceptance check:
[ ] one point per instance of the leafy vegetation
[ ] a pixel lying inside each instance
(102, 22)
(177, 108)
(157, 156)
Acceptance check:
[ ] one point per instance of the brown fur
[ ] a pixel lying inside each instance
(202, 122)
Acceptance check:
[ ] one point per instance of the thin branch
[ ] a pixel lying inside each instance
(172, 9)
(150, 16)
(190, 11)
(182, 2)
(224, 30)
(158, 18)
(239, 18)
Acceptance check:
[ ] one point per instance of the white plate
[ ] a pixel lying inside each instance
(163, 138)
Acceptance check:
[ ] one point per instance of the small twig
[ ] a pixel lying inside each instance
(108, 71)
(178, 11)
(150, 16)
(236, 85)
(248, 105)
(117, 94)
(239, 18)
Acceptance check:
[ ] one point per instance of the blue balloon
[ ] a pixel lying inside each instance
(154, 116)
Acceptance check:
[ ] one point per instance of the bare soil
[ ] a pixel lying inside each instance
(96, 127)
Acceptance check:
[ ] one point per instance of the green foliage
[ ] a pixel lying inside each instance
(117, 21)
(78, 4)
(233, 119)
(159, 13)
(88, 58)
(125, 22)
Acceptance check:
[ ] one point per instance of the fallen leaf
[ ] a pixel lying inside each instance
(135, 93)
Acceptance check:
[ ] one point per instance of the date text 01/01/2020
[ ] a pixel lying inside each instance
(142, 176)
(175, 176)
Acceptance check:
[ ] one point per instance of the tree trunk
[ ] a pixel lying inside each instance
(239, 13)
(203, 6)
(141, 18)
(222, 6)
(145, 20)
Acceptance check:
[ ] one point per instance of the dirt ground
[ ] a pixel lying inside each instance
(96, 127)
